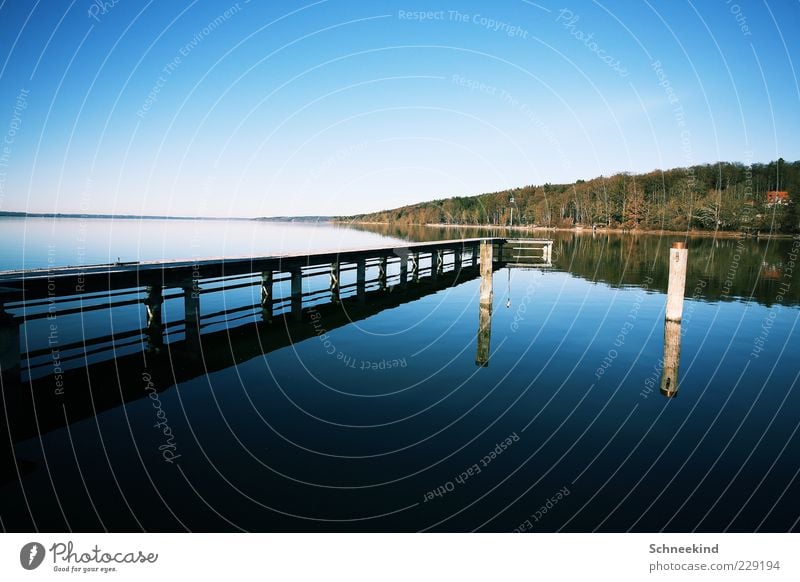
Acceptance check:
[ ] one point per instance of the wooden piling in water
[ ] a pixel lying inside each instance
(155, 329)
(361, 280)
(266, 295)
(191, 313)
(297, 292)
(335, 281)
(382, 267)
(678, 258)
(403, 269)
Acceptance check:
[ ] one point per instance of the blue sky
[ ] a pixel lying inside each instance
(335, 107)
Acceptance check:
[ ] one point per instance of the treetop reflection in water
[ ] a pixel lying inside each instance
(720, 269)
(405, 414)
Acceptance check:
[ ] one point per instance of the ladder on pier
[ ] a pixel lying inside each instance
(528, 252)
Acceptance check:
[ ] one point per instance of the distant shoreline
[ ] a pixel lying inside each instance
(588, 229)
(7, 214)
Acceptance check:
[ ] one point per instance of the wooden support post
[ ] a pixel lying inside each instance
(297, 292)
(335, 281)
(487, 267)
(436, 264)
(9, 350)
(475, 255)
(266, 296)
(361, 279)
(415, 267)
(191, 314)
(382, 268)
(678, 256)
(457, 260)
(155, 329)
(672, 358)
(403, 270)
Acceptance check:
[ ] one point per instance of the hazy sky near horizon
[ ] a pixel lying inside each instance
(336, 107)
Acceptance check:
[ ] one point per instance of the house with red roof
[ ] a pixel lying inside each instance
(777, 197)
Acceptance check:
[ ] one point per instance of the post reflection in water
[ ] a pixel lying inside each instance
(672, 358)
(484, 335)
(487, 296)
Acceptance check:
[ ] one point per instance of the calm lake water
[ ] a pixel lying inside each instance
(29, 243)
(377, 418)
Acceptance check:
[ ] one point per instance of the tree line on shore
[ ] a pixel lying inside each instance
(727, 196)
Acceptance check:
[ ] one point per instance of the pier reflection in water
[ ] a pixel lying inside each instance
(196, 348)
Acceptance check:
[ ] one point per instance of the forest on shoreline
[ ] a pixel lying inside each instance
(727, 196)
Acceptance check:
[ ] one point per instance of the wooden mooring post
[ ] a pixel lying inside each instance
(487, 265)
(678, 257)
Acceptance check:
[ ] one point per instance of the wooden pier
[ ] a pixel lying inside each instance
(53, 368)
